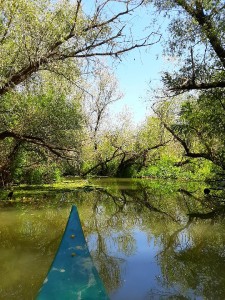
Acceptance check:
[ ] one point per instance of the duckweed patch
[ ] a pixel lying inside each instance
(26, 192)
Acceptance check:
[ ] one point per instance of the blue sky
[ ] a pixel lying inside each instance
(137, 69)
(134, 74)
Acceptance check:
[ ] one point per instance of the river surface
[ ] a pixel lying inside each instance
(148, 239)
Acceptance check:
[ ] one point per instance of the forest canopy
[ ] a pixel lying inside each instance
(55, 90)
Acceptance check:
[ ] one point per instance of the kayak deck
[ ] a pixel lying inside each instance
(72, 274)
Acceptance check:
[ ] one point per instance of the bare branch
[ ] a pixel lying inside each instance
(198, 86)
(207, 27)
(37, 141)
(114, 155)
(90, 48)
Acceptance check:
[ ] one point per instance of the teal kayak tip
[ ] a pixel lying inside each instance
(72, 274)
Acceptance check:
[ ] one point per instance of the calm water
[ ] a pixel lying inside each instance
(144, 239)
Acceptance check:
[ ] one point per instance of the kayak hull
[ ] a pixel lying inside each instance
(72, 274)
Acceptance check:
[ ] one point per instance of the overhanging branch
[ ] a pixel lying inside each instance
(84, 47)
(198, 86)
(36, 141)
(185, 146)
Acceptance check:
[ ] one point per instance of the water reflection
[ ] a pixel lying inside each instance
(149, 240)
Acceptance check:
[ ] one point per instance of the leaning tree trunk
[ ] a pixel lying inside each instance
(6, 175)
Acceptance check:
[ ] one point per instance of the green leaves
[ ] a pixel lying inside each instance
(195, 35)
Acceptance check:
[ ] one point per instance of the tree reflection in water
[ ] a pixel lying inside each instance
(188, 234)
(148, 240)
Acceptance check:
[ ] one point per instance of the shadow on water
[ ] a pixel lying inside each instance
(148, 239)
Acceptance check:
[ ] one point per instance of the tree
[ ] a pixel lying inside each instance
(38, 35)
(36, 126)
(61, 38)
(146, 141)
(196, 37)
(124, 150)
(197, 127)
(196, 40)
(103, 91)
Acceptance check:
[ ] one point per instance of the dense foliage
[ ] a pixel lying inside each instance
(47, 49)
(55, 92)
(193, 110)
